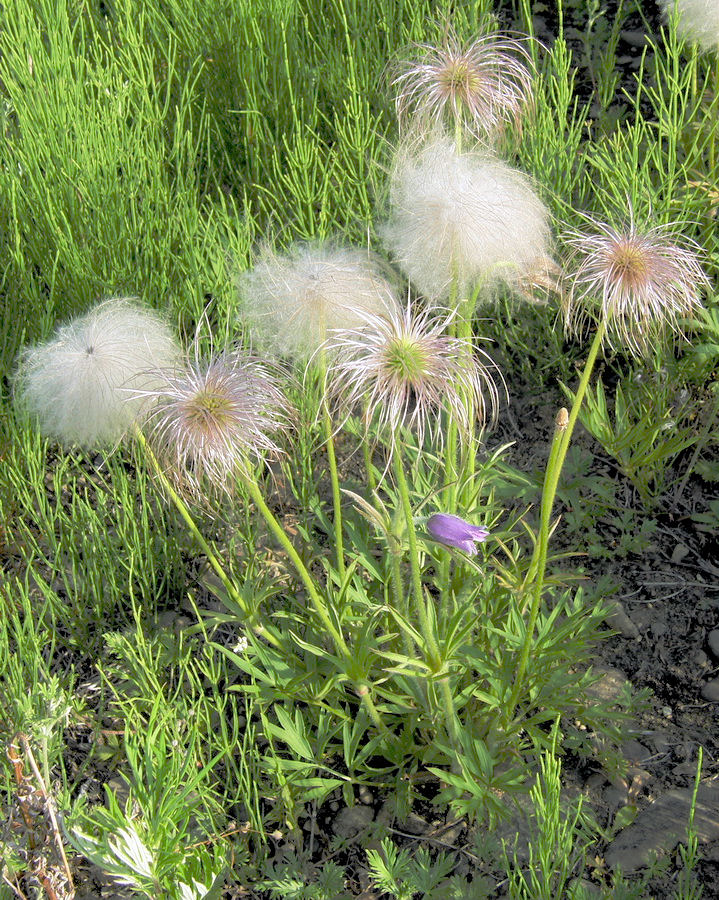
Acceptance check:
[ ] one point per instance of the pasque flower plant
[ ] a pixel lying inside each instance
(292, 301)
(632, 283)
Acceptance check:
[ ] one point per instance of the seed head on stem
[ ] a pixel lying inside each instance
(211, 418)
(463, 219)
(402, 368)
(484, 84)
(291, 302)
(697, 20)
(639, 282)
(76, 384)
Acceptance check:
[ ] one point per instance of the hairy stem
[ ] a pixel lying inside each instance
(560, 445)
(210, 554)
(334, 475)
(417, 592)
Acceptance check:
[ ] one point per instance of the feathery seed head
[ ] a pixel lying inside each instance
(76, 384)
(402, 368)
(638, 282)
(484, 84)
(465, 216)
(697, 20)
(208, 418)
(292, 302)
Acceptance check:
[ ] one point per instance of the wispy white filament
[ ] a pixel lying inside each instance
(291, 302)
(466, 216)
(697, 20)
(402, 369)
(78, 384)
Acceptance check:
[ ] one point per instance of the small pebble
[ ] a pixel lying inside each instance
(710, 691)
(713, 641)
(352, 820)
(680, 551)
(620, 621)
(667, 712)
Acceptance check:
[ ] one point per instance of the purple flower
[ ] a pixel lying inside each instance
(455, 532)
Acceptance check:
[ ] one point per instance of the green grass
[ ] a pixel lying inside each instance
(148, 150)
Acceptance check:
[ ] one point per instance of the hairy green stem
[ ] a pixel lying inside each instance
(336, 495)
(417, 592)
(399, 597)
(309, 583)
(450, 458)
(318, 603)
(560, 445)
(432, 647)
(184, 511)
(369, 467)
(332, 463)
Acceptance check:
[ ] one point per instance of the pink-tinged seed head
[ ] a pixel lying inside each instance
(212, 418)
(638, 282)
(484, 84)
(402, 369)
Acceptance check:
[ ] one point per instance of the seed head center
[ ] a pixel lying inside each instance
(629, 263)
(406, 359)
(209, 409)
(459, 77)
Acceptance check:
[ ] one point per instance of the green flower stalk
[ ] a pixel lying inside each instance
(634, 285)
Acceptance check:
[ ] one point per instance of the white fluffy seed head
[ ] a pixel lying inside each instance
(78, 384)
(292, 302)
(465, 216)
(402, 369)
(697, 20)
(639, 282)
